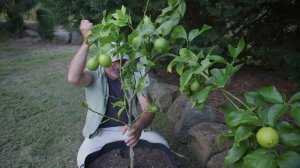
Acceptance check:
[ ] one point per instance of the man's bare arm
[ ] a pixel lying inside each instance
(76, 73)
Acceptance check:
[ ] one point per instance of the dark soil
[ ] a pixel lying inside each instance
(145, 158)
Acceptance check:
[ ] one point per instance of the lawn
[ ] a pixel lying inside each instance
(40, 114)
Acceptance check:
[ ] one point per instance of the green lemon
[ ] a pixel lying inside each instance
(195, 86)
(267, 137)
(104, 60)
(161, 45)
(92, 64)
(152, 107)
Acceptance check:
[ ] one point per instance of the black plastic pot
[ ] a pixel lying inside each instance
(121, 144)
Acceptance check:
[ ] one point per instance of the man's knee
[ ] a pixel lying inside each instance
(154, 137)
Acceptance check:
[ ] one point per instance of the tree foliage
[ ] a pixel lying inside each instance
(14, 10)
(271, 28)
(70, 12)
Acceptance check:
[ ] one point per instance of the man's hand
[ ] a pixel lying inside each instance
(133, 135)
(85, 26)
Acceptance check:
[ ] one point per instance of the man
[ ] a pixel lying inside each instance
(103, 88)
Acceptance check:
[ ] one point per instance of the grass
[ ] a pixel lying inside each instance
(40, 114)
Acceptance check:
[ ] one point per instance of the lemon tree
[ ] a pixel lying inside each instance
(202, 71)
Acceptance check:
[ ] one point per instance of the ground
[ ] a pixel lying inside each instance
(40, 113)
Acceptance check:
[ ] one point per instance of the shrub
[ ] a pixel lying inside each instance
(15, 23)
(46, 23)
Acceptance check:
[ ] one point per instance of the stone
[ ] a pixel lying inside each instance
(32, 33)
(162, 93)
(61, 36)
(204, 142)
(217, 161)
(177, 108)
(191, 116)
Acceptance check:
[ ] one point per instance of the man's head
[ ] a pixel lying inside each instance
(113, 72)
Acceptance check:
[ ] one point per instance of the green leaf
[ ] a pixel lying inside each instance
(275, 112)
(218, 78)
(180, 68)
(205, 28)
(119, 104)
(236, 68)
(289, 159)
(291, 138)
(188, 54)
(263, 114)
(179, 32)
(295, 113)
(217, 58)
(182, 8)
(231, 51)
(288, 135)
(140, 85)
(165, 28)
(295, 98)
(235, 153)
(205, 64)
(123, 9)
(271, 94)
(234, 52)
(120, 111)
(193, 34)
(253, 98)
(171, 2)
(227, 107)
(242, 133)
(240, 47)
(131, 36)
(236, 118)
(260, 158)
(202, 95)
(185, 78)
(136, 42)
(170, 66)
(175, 17)
(147, 20)
(146, 29)
(228, 70)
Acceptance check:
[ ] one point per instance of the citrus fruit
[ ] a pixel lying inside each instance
(87, 36)
(161, 45)
(152, 107)
(267, 137)
(104, 60)
(195, 86)
(92, 64)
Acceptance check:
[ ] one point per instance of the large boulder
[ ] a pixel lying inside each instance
(177, 108)
(204, 141)
(61, 36)
(217, 161)
(32, 33)
(190, 116)
(162, 93)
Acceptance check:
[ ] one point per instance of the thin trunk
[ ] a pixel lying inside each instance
(131, 152)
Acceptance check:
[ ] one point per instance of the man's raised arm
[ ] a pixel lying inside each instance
(76, 73)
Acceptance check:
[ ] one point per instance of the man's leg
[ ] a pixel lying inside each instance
(154, 137)
(90, 145)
